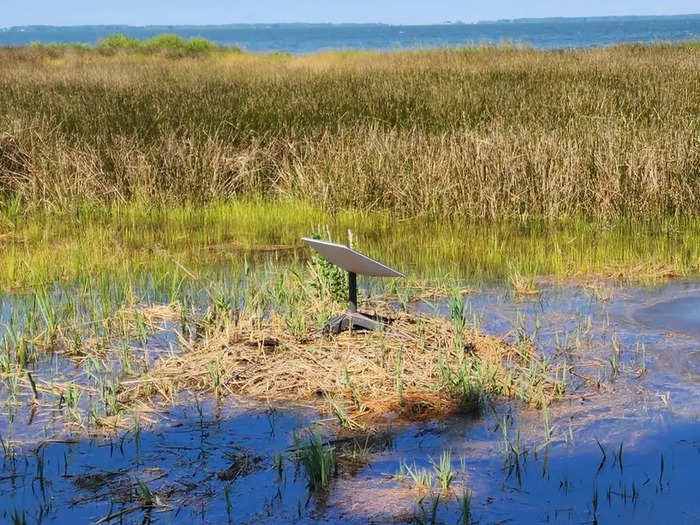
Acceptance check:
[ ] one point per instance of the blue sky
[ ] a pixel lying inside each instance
(142, 12)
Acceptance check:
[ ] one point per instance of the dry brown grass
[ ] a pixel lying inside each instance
(403, 370)
(151, 314)
(474, 133)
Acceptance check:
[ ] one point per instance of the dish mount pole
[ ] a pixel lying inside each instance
(352, 292)
(352, 319)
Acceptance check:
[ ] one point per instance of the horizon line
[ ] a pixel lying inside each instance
(446, 22)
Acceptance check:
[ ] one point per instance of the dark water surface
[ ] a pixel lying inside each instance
(301, 38)
(680, 315)
(629, 453)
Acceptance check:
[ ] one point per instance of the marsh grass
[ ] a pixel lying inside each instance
(443, 470)
(137, 346)
(172, 244)
(496, 162)
(482, 132)
(122, 169)
(424, 374)
(320, 462)
(421, 478)
(465, 504)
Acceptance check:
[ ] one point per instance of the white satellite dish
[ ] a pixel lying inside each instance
(351, 261)
(354, 263)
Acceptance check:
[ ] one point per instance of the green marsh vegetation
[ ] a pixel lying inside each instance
(500, 162)
(130, 241)
(320, 462)
(166, 44)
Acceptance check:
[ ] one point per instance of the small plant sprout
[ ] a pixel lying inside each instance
(320, 462)
(458, 311)
(421, 478)
(615, 365)
(297, 323)
(465, 506)
(147, 498)
(594, 504)
(642, 357)
(548, 428)
(443, 470)
(340, 412)
(215, 375)
(522, 285)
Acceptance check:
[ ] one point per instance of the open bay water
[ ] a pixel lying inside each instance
(310, 38)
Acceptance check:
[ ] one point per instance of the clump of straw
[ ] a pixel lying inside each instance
(421, 367)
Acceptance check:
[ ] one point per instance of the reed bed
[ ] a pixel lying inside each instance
(485, 133)
(502, 162)
(208, 243)
(138, 176)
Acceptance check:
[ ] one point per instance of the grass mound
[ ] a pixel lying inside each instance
(422, 367)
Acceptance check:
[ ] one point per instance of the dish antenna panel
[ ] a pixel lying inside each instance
(354, 263)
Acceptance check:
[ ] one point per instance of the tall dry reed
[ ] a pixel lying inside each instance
(482, 132)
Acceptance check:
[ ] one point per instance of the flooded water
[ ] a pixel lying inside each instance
(625, 449)
(680, 315)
